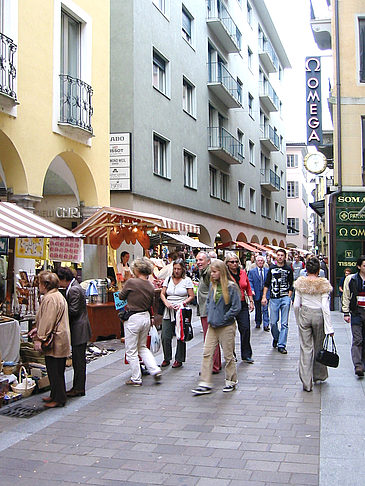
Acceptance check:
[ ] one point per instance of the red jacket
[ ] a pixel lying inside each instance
(244, 285)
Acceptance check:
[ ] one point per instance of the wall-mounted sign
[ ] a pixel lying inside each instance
(60, 213)
(120, 161)
(313, 100)
(66, 250)
(31, 248)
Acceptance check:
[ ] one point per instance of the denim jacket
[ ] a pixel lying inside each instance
(221, 314)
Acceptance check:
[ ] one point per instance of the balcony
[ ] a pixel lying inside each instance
(269, 180)
(223, 85)
(223, 26)
(267, 55)
(75, 103)
(269, 138)
(268, 97)
(222, 144)
(7, 71)
(321, 27)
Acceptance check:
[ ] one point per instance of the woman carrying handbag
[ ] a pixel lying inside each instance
(312, 313)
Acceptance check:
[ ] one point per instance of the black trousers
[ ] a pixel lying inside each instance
(243, 321)
(56, 374)
(79, 366)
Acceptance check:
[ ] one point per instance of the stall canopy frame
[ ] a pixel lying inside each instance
(187, 240)
(240, 244)
(95, 228)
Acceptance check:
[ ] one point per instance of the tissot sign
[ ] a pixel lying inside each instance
(313, 100)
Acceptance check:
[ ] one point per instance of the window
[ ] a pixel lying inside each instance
(159, 72)
(362, 49)
(250, 105)
(240, 138)
(187, 24)
(161, 5)
(213, 180)
(252, 200)
(305, 228)
(282, 214)
(292, 160)
(161, 166)
(281, 143)
(239, 90)
(70, 45)
(282, 179)
(292, 189)
(249, 14)
(249, 58)
(304, 196)
(2, 15)
(188, 97)
(189, 170)
(280, 73)
(251, 148)
(276, 212)
(263, 205)
(241, 195)
(224, 187)
(293, 226)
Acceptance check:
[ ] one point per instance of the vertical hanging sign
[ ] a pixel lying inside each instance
(313, 100)
(120, 161)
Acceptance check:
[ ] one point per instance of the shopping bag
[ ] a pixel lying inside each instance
(186, 315)
(155, 340)
(327, 357)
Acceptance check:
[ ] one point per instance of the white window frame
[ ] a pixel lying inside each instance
(224, 187)
(163, 6)
(188, 85)
(241, 139)
(295, 226)
(249, 14)
(252, 200)
(241, 200)
(276, 212)
(85, 64)
(282, 180)
(185, 34)
(282, 214)
(251, 149)
(250, 104)
(249, 58)
(292, 161)
(165, 173)
(165, 72)
(190, 169)
(213, 184)
(292, 189)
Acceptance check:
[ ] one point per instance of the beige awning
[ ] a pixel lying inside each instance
(186, 240)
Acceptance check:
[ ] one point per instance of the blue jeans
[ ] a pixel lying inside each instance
(282, 306)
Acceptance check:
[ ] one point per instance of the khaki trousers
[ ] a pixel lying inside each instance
(311, 336)
(225, 336)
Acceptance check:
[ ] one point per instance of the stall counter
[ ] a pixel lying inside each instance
(104, 320)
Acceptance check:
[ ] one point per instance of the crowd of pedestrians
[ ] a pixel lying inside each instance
(227, 293)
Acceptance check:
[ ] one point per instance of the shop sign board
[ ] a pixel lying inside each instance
(66, 250)
(350, 230)
(30, 248)
(313, 100)
(120, 161)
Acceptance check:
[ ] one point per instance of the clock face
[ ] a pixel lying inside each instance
(315, 163)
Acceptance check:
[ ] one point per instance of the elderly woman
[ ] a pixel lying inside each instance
(177, 291)
(139, 293)
(52, 318)
(312, 313)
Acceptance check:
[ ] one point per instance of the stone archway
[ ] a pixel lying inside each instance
(204, 236)
(223, 236)
(12, 166)
(274, 242)
(282, 244)
(255, 239)
(265, 241)
(242, 237)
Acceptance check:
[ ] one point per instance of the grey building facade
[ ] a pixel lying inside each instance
(197, 84)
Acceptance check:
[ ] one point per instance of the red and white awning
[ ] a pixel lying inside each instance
(16, 222)
(95, 228)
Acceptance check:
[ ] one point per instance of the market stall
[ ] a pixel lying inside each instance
(111, 227)
(240, 246)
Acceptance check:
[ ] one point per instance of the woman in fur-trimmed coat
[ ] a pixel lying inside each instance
(312, 313)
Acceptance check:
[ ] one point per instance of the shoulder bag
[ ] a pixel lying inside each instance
(327, 357)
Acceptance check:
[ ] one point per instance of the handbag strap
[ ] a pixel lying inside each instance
(333, 345)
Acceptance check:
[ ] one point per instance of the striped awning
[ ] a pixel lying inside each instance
(230, 244)
(16, 222)
(186, 240)
(95, 228)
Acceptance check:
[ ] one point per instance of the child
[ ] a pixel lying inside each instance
(223, 304)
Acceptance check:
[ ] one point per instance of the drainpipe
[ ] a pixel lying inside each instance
(332, 200)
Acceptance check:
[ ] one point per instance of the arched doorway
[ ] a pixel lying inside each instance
(265, 241)
(242, 237)
(255, 239)
(12, 170)
(274, 242)
(282, 244)
(204, 235)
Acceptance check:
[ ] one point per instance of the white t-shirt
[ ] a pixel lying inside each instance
(176, 294)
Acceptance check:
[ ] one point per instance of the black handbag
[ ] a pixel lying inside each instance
(125, 314)
(186, 314)
(326, 357)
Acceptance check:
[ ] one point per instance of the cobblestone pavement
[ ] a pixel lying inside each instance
(267, 432)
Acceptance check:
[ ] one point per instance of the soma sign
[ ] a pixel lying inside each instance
(313, 100)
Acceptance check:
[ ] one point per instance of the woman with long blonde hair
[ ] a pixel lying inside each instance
(223, 304)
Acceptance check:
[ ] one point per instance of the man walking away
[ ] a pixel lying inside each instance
(257, 277)
(79, 327)
(280, 282)
(353, 307)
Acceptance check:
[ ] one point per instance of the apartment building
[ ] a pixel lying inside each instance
(297, 192)
(344, 30)
(196, 103)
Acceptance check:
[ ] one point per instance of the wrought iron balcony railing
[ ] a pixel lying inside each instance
(269, 177)
(266, 46)
(270, 134)
(75, 102)
(216, 8)
(267, 90)
(7, 66)
(218, 73)
(220, 138)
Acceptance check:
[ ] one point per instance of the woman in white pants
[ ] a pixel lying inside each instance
(139, 293)
(312, 313)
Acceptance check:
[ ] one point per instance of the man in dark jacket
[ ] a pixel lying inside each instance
(79, 327)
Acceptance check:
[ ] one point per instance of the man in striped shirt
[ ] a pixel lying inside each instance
(353, 307)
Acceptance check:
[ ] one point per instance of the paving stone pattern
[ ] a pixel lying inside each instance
(267, 432)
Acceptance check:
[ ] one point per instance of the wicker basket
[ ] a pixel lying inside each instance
(26, 390)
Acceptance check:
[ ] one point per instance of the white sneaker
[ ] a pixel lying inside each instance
(201, 390)
(229, 388)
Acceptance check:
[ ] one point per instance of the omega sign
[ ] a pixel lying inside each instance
(313, 100)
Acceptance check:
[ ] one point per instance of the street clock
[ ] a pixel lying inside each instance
(315, 163)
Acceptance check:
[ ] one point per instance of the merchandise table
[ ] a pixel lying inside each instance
(104, 320)
(10, 340)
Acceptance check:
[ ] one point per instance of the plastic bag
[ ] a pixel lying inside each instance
(155, 340)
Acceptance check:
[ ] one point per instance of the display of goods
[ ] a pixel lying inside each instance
(11, 397)
(116, 238)
(28, 354)
(26, 385)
